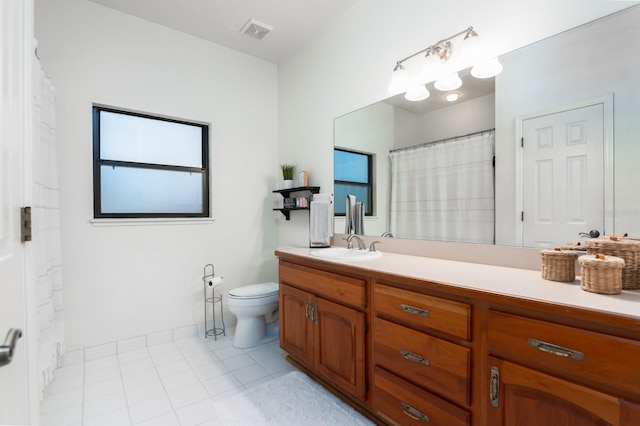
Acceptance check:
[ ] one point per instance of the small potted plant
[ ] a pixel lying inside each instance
(287, 174)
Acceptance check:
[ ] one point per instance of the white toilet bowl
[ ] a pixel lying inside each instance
(254, 306)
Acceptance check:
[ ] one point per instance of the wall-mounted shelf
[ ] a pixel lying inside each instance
(287, 192)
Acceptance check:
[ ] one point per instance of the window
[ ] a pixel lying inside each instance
(148, 167)
(352, 175)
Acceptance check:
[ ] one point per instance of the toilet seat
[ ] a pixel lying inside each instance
(255, 291)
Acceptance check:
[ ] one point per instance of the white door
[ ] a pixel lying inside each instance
(563, 176)
(14, 405)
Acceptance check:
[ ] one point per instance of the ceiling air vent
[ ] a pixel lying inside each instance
(256, 29)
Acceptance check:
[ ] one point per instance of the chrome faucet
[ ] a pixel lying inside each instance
(387, 234)
(361, 245)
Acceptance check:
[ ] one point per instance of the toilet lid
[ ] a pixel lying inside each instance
(255, 290)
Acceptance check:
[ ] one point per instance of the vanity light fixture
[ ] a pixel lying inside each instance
(439, 63)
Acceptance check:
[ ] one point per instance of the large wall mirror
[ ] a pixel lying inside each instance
(558, 95)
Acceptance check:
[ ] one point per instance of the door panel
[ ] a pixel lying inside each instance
(13, 377)
(296, 332)
(340, 345)
(563, 176)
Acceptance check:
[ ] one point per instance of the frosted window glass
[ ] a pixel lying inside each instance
(138, 139)
(135, 190)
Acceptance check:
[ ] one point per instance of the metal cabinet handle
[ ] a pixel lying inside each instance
(415, 311)
(314, 312)
(494, 387)
(414, 357)
(413, 413)
(6, 350)
(556, 350)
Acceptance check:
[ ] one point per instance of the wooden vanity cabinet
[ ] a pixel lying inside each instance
(322, 325)
(442, 354)
(547, 373)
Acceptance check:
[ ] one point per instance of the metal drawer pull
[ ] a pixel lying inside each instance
(494, 387)
(413, 413)
(414, 357)
(556, 350)
(415, 311)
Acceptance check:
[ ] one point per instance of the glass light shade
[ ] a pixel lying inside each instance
(448, 82)
(487, 68)
(452, 97)
(399, 81)
(472, 50)
(418, 92)
(431, 68)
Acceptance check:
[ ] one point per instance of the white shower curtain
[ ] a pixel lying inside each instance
(444, 191)
(45, 214)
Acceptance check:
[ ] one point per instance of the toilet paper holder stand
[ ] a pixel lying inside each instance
(210, 280)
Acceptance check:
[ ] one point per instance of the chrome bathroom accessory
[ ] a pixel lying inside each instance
(210, 280)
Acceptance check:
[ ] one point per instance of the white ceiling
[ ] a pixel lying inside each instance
(295, 22)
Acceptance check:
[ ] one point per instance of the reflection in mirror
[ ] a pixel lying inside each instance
(593, 66)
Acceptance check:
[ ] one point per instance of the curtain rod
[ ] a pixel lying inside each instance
(468, 135)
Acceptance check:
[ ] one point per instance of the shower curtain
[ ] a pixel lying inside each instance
(444, 191)
(45, 214)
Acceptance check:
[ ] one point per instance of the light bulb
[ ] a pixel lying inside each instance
(431, 67)
(418, 92)
(448, 82)
(452, 97)
(487, 68)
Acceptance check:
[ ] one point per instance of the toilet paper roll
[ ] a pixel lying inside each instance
(216, 281)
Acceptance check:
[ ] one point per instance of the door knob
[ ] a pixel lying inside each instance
(594, 233)
(6, 350)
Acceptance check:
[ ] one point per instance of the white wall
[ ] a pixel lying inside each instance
(350, 65)
(126, 281)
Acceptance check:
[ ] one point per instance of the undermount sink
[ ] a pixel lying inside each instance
(342, 253)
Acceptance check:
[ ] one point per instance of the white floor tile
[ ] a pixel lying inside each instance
(71, 358)
(228, 352)
(100, 363)
(101, 375)
(97, 390)
(197, 413)
(118, 417)
(167, 357)
(64, 384)
(202, 359)
(101, 351)
(250, 374)
(150, 409)
(103, 405)
(168, 419)
(61, 400)
(159, 338)
(162, 347)
(62, 417)
(131, 380)
(188, 395)
(144, 392)
(211, 370)
(263, 353)
(276, 366)
(239, 361)
(222, 384)
(69, 371)
(127, 357)
(173, 367)
(130, 345)
(220, 343)
(180, 380)
(137, 365)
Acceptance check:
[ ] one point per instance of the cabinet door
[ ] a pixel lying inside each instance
(525, 397)
(339, 346)
(296, 327)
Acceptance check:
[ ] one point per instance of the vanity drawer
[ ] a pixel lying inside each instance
(420, 310)
(402, 403)
(575, 353)
(432, 363)
(345, 290)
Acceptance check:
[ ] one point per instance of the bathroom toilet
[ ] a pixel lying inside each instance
(256, 308)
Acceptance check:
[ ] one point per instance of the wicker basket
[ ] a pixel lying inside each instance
(576, 246)
(601, 274)
(559, 265)
(625, 248)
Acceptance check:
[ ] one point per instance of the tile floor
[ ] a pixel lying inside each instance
(172, 383)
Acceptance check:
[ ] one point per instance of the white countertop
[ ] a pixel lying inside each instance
(512, 282)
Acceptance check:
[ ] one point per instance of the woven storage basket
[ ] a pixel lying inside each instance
(601, 273)
(575, 247)
(625, 248)
(558, 265)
